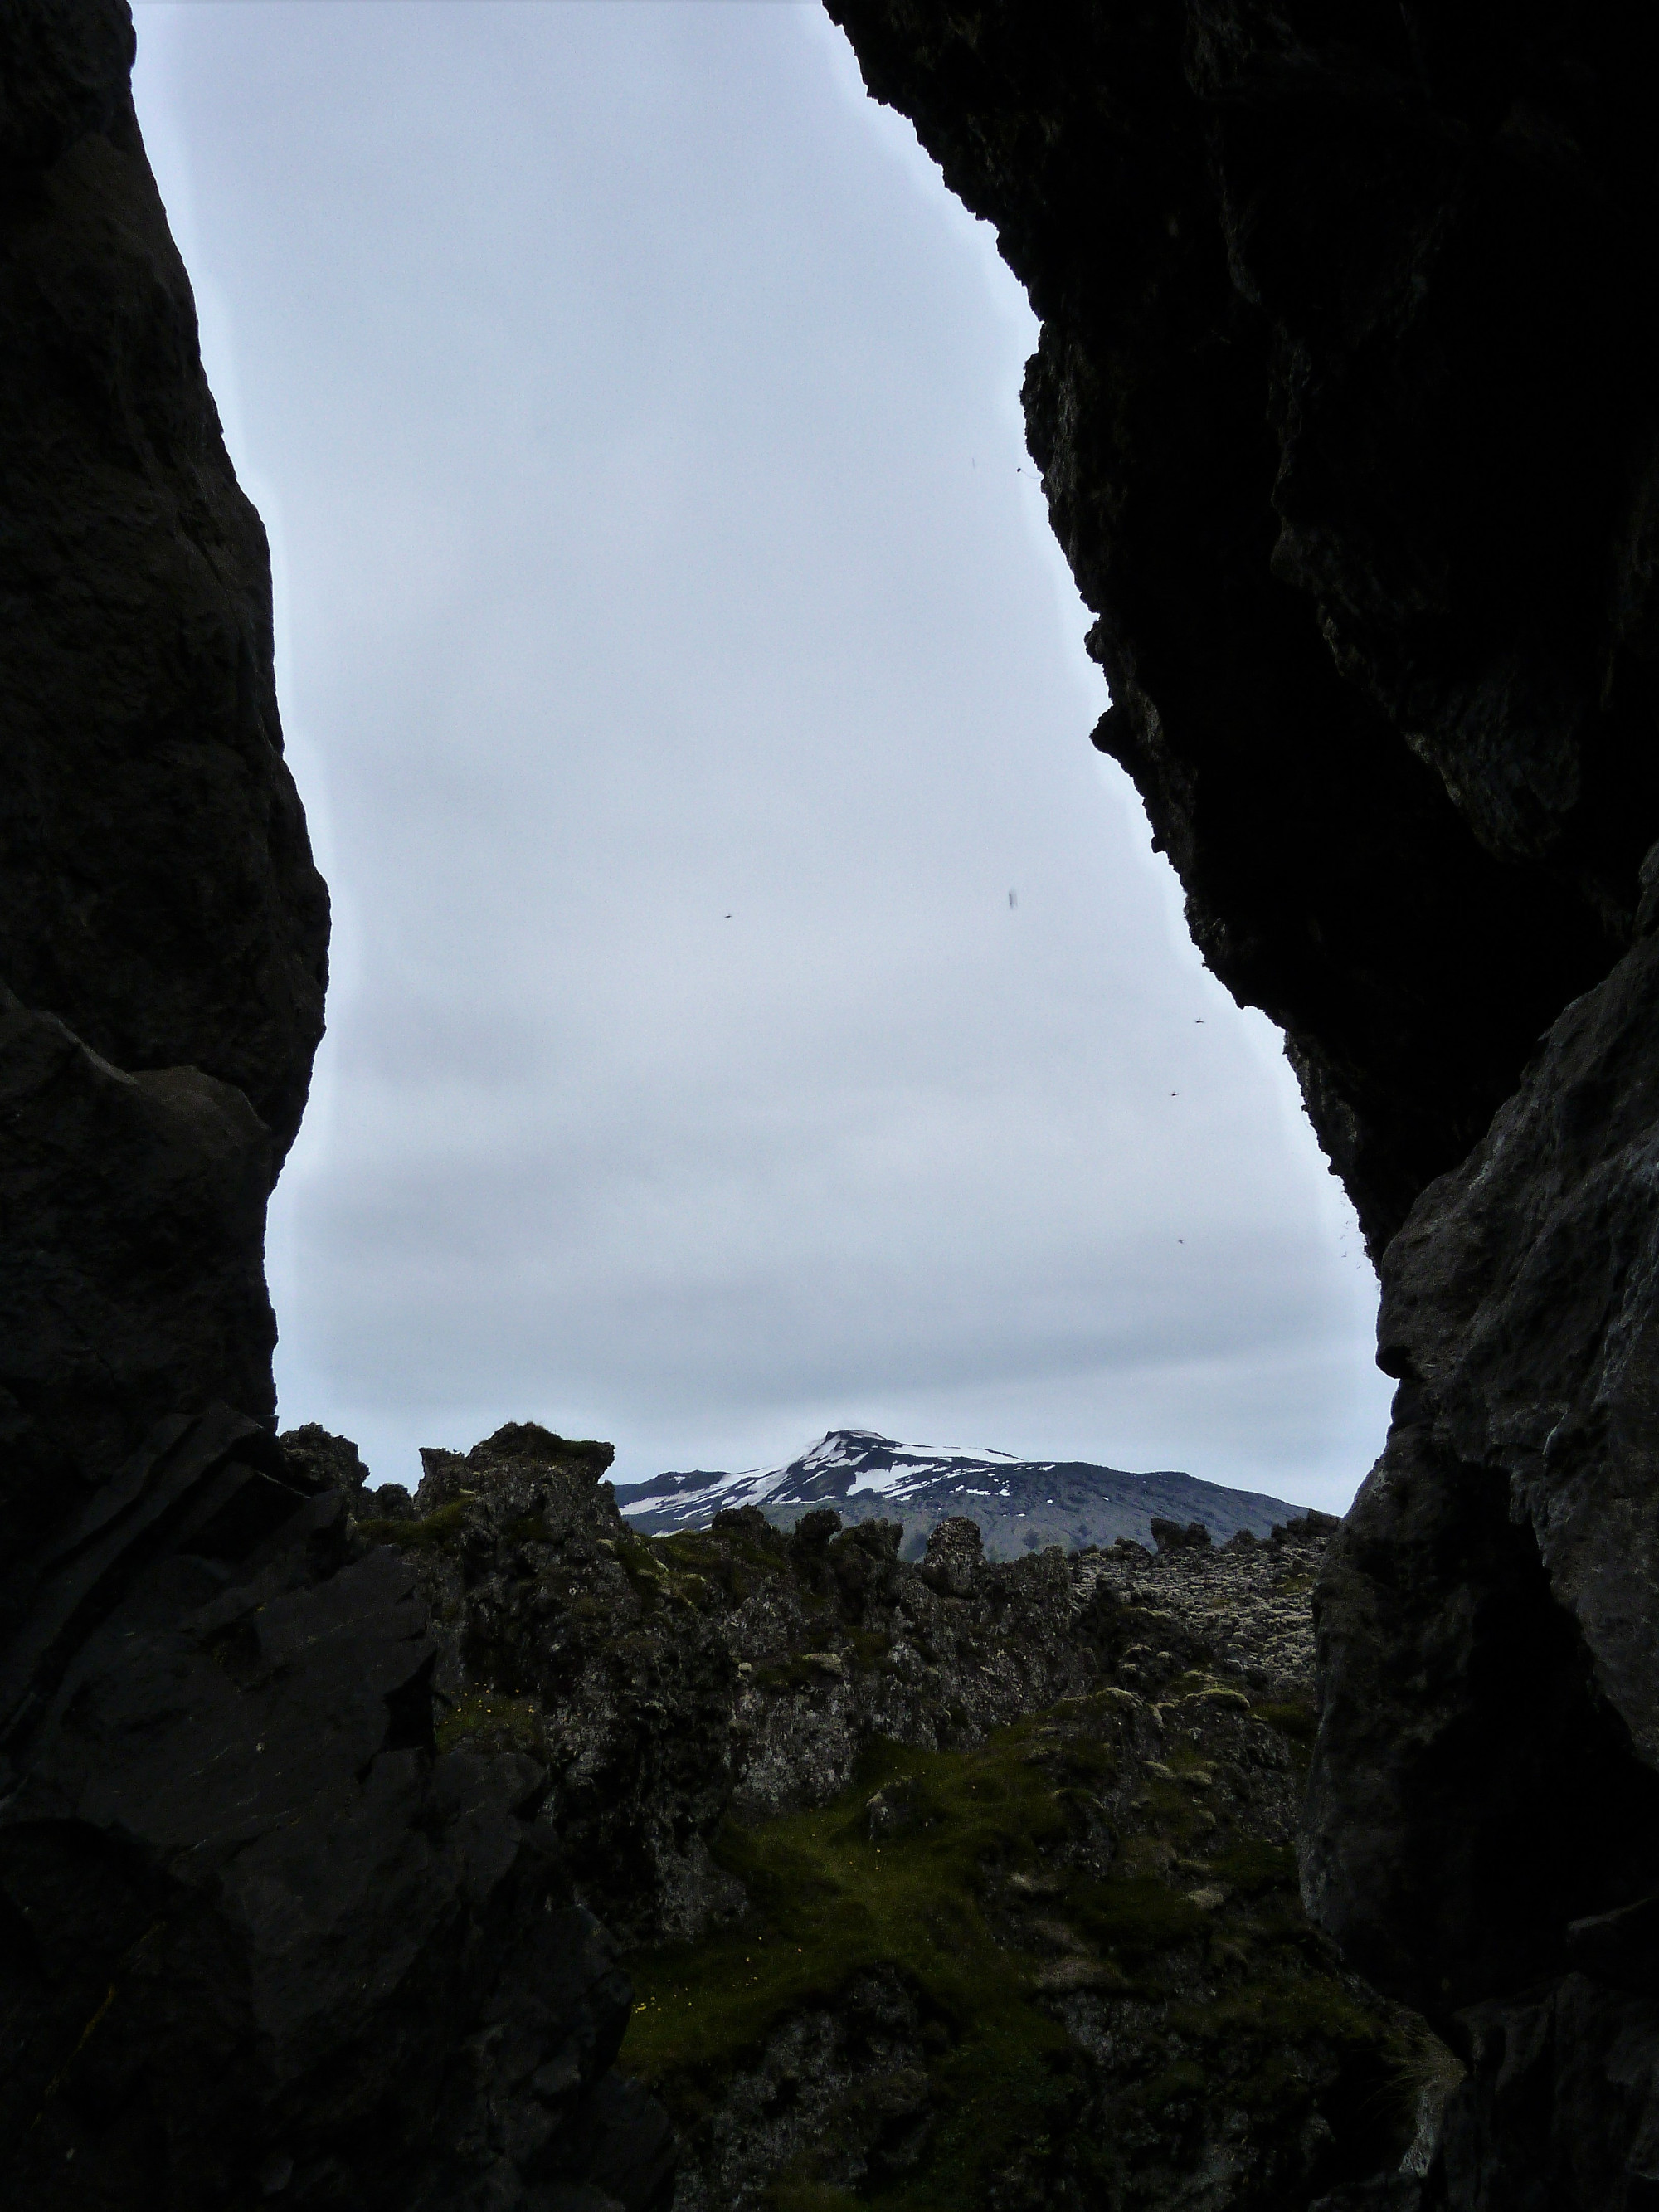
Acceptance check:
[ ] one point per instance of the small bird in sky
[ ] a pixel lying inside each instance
(1013, 899)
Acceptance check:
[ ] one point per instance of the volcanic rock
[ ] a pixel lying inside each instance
(933, 1877)
(1345, 406)
(260, 1938)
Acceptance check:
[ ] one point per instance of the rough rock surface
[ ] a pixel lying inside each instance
(260, 1940)
(156, 888)
(1345, 406)
(1346, 409)
(956, 1882)
(163, 932)
(1484, 1793)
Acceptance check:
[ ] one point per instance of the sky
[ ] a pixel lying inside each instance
(755, 1007)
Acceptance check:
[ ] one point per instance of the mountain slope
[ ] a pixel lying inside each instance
(1021, 1506)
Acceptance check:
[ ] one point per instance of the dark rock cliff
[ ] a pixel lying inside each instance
(163, 933)
(1346, 404)
(260, 1940)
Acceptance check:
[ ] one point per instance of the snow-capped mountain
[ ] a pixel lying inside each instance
(1021, 1504)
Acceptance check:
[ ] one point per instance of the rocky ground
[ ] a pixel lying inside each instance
(952, 1884)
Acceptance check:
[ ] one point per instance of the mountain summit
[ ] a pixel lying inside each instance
(1021, 1506)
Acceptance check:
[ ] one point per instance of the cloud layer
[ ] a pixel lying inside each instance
(682, 677)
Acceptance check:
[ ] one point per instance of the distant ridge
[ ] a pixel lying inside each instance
(1021, 1506)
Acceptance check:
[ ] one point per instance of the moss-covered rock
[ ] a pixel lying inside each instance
(945, 1884)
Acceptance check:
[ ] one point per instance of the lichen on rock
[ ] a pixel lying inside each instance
(950, 1883)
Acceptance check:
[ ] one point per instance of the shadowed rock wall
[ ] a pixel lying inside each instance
(259, 1941)
(1346, 402)
(163, 932)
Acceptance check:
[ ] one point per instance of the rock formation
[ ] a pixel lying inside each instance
(1345, 406)
(958, 1882)
(259, 1941)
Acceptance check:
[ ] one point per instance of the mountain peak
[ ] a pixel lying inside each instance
(1020, 1505)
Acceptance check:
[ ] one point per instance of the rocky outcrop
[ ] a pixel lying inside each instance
(958, 1881)
(1345, 405)
(1485, 1804)
(261, 1939)
(156, 888)
(133, 1285)
(163, 933)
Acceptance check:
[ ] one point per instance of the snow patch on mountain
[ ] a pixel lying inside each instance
(1020, 1504)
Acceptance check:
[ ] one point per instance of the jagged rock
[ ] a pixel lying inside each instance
(954, 1559)
(1344, 404)
(1485, 1771)
(1171, 1536)
(133, 1211)
(332, 1462)
(1491, 1714)
(156, 888)
(1561, 2109)
(261, 1938)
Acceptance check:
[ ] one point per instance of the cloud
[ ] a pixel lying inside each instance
(681, 672)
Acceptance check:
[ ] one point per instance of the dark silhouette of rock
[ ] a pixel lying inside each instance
(156, 888)
(1484, 1805)
(1173, 1536)
(163, 933)
(132, 1220)
(1345, 406)
(332, 1462)
(261, 1939)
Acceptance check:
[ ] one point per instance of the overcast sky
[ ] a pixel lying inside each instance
(756, 1008)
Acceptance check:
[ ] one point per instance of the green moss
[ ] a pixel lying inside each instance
(829, 1904)
(1133, 1917)
(1250, 1867)
(487, 1721)
(433, 1534)
(660, 1575)
(1297, 1721)
(1227, 2008)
